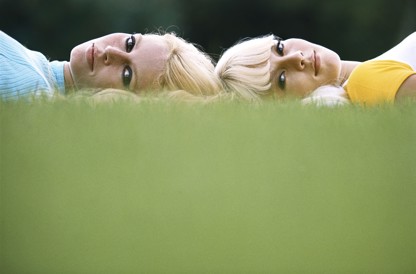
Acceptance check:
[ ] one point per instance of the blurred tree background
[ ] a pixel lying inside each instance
(356, 29)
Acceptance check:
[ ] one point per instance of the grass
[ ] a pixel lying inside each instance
(230, 187)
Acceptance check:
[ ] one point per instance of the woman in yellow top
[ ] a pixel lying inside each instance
(271, 67)
(380, 81)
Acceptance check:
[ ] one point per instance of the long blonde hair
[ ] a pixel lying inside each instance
(188, 69)
(245, 67)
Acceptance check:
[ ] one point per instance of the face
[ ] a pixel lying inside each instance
(298, 67)
(120, 61)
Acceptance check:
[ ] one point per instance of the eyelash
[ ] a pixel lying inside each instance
(130, 43)
(280, 47)
(127, 74)
(281, 81)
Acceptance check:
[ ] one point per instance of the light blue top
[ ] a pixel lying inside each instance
(26, 73)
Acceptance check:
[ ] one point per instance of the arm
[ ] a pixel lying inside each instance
(407, 90)
(404, 52)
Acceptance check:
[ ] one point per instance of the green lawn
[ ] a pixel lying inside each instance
(223, 188)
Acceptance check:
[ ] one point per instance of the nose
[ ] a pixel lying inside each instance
(114, 55)
(295, 59)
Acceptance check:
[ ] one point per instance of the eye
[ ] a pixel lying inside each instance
(280, 47)
(126, 76)
(281, 81)
(130, 42)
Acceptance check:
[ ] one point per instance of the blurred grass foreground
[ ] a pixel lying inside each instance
(225, 188)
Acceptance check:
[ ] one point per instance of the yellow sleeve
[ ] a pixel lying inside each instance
(377, 81)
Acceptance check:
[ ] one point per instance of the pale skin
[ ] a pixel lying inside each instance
(405, 52)
(297, 67)
(407, 90)
(117, 61)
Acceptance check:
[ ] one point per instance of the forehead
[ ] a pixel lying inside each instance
(152, 41)
(296, 42)
(149, 59)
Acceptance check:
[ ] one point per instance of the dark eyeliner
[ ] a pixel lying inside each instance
(126, 76)
(281, 81)
(130, 43)
(280, 47)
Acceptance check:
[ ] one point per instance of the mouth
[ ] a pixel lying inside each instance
(90, 56)
(317, 62)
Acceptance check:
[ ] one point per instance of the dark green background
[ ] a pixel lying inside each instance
(356, 29)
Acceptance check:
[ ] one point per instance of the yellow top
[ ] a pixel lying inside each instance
(377, 81)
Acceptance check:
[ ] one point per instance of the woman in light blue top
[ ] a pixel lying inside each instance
(117, 61)
(24, 72)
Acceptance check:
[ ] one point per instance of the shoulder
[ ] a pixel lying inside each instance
(9, 44)
(411, 37)
(403, 52)
(24, 72)
(5, 37)
(378, 68)
(377, 81)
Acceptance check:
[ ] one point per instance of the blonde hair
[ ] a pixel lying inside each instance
(188, 69)
(245, 67)
(328, 95)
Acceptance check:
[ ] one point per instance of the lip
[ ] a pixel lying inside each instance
(90, 56)
(317, 63)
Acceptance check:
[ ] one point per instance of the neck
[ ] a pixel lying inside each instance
(69, 81)
(346, 68)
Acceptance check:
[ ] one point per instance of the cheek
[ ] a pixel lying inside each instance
(333, 66)
(302, 85)
(78, 52)
(77, 63)
(102, 79)
(107, 79)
